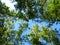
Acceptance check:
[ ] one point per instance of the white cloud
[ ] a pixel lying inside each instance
(8, 3)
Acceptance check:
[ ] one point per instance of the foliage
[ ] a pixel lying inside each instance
(51, 11)
(25, 11)
(47, 34)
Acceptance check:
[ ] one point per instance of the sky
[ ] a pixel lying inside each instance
(9, 3)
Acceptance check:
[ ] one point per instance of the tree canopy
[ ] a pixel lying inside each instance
(26, 10)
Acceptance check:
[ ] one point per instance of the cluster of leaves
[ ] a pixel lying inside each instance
(46, 34)
(28, 6)
(3, 8)
(51, 11)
